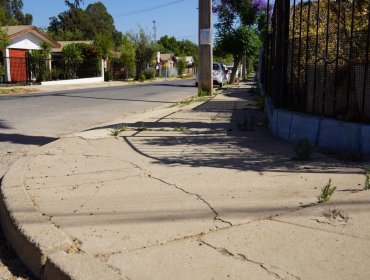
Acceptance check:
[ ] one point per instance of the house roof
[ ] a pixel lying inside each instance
(62, 44)
(18, 30)
(189, 59)
(166, 57)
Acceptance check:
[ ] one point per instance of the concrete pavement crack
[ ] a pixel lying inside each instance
(242, 257)
(199, 197)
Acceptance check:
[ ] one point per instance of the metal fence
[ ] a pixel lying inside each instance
(316, 57)
(32, 70)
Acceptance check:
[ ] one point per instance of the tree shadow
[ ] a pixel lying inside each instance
(236, 138)
(26, 139)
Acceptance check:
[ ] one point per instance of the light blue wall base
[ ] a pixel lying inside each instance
(324, 132)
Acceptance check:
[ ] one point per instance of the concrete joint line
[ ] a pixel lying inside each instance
(271, 270)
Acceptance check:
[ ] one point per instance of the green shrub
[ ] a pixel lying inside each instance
(149, 74)
(181, 66)
(303, 149)
(55, 74)
(140, 77)
(72, 58)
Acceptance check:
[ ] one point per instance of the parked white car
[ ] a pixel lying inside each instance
(218, 75)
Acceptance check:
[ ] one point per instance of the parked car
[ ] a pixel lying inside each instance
(218, 75)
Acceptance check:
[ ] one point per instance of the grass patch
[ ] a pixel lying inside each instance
(16, 90)
(191, 100)
(142, 127)
(367, 177)
(117, 130)
(180, 129)
(326, 192)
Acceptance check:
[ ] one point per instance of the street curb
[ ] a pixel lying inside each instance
(39, 244)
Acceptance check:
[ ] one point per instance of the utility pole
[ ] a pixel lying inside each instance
(205, 81)
(154, 31)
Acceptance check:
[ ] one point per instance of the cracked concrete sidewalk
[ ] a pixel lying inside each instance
(182, 193)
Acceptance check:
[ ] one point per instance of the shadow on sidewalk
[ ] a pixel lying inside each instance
(223, 143)
(26, 139)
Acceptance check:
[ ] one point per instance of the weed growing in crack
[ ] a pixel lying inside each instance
(117, 130)
(247, 125)
(180, 129)
(326, 192)
(142, 127)
(367, 177)
(303, 149)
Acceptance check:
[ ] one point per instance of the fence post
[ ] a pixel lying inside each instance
(28, 69)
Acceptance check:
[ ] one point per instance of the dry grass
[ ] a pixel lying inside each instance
(16, 90)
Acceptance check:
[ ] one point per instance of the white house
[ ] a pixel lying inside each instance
(23, 39)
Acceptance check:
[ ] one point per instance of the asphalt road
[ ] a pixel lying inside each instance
(31, 120)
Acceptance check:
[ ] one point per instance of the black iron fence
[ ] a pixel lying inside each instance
(30, 69)
(317, 57)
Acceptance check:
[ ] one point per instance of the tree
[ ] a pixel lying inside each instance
(128, 55)
(11, 13)
(237, 32)
(89, 24)
(4, 39)
(72, 58)
(181, 66)
(168, 44)
(145, 52)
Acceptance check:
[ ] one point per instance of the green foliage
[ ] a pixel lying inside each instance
(149, 74)
(202, 92)
(191, 100)
(55, 74)
(181, 65)
(169, 44)
(142, 127)
(326, 192)
(367, 177)
(103, 44)
(180, 129)
(128, 55)
(91, 63)
(236, 31)
(140, 77)
(72, 58)
(11, 13)
(117, 130)
(2, 71)
(145, 51)
(88, 24)
(38, 65)
(4, 39)
(303, 149)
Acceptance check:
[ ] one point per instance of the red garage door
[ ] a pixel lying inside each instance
(18, 70)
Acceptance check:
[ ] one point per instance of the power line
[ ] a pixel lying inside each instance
(134, 12)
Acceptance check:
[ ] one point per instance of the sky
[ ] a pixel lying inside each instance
(177, 18)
